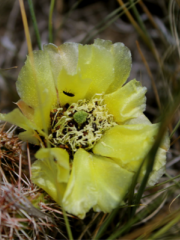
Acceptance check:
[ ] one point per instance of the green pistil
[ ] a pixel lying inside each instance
(80, 117)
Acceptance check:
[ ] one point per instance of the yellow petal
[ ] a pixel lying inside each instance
(60, 159)
(96, 62)
(27, 111)
(166, 142)
(127, 144)
(107, 44)
(122, 65)
(36, 87)
(36, 80)
(51, 171)
(17, 118)
(96, 182)
(29, 136)
(158, 168)
(70, 79)
(55, 60)
(73, 84)
(121, 62)
(69, 57)
(141, 119)
(127, 102)
(100, 67)
(39, 116)
(160, 161)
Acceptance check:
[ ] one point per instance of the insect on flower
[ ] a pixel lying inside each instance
(68, 94)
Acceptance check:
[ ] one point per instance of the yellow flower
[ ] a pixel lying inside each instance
(97, 132)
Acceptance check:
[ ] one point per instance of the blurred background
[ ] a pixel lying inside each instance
(82, 21)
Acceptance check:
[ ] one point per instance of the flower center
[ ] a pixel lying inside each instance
(80, 125)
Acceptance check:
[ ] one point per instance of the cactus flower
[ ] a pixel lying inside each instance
(91, 129)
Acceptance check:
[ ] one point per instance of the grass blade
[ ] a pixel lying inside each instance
(112, 17)
(68, 228)
(106, 223)
(50, 21)
(165, 228)
(31, 8)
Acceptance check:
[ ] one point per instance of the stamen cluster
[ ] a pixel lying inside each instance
(68, 134)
